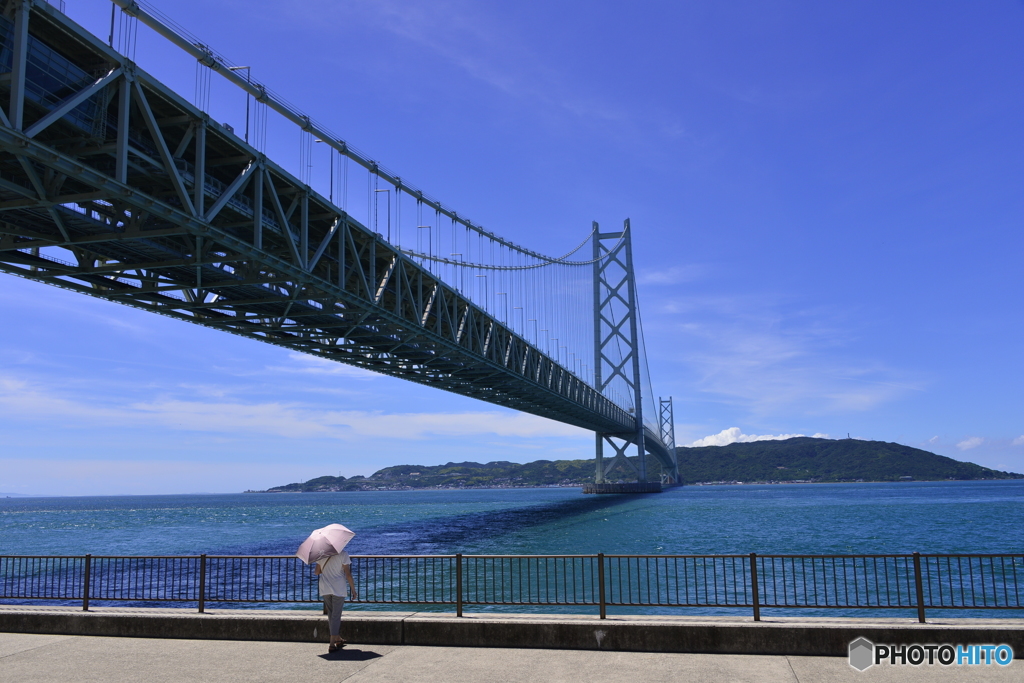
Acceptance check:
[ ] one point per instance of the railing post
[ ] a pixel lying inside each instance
(919, 584)
(753, 587)
(202, 583)
(458, 584)
(87, 582)
(600, 585)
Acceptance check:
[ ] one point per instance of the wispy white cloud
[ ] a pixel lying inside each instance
(969, 443)
(93, 476)
(673, 275)
(735, 435)
(482, 43)
(771, 358)
(458, 32)
(22, 398)
(72, 307)
(279, 419)
(296, 421)
(314, 365)
(1019, 441)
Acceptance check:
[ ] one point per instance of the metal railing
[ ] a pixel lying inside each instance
(790, 582)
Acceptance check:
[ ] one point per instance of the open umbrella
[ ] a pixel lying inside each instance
(324, 542)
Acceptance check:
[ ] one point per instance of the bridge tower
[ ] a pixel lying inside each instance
(668, 437)
(616, 344)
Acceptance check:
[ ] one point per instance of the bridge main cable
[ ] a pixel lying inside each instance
(263, 95)
(202, 265)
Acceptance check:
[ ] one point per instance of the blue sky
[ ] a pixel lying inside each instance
(826, 203)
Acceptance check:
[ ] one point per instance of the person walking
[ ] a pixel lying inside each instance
(326, 549)
(336, 584)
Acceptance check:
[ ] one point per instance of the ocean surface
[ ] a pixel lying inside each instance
(929, 517)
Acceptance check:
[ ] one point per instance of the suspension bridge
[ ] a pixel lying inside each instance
(115, 186)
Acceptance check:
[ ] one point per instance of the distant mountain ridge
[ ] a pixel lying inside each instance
(803, 458)
(800, 459)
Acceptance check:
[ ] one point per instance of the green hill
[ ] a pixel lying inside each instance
(806, 458)
(458, 475)
(797, 459)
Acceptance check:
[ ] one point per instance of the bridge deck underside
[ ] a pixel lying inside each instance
(100, 193)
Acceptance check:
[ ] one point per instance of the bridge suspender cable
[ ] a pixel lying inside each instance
(177, 35)
(481, 326)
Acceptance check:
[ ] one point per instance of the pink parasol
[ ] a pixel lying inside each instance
(324, 542)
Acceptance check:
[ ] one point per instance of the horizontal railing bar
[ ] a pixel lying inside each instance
(517, 557)
(429, 557)
(985, 555)
(785, 606)
(673, 557)
(588, 556)
(831, 557)
(58, 557)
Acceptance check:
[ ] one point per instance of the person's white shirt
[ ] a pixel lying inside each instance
(332, 574)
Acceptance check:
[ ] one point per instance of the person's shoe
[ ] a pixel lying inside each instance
(332, 648)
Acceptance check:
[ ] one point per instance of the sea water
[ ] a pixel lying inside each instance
(927, 517)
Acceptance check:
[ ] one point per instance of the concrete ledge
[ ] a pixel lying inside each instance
(808, 637)
(273, 625)
(716, 635)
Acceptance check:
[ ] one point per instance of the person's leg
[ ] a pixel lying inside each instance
(335, 606)
(329, 611)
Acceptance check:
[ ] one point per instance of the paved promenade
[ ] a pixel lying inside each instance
(112, 644)
(29, 657)
(773, 636)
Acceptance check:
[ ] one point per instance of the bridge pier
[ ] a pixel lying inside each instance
(627, 487)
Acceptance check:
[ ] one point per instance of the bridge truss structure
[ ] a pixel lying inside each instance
(114, 186)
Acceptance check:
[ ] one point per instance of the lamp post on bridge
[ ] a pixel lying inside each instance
(430, 238)
(375, 212)
(486, 300)
(461, 270)
(248, 79)
(504, 294)
(329, 149)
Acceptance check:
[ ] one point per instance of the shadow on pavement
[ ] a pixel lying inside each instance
(350, 655)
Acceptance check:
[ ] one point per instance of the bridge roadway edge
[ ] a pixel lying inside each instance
(799, 636)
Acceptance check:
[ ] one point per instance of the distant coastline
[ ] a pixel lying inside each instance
(483, 487)
(800, 460)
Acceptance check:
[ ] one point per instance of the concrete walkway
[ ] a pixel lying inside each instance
(773, 636)
(29, 657)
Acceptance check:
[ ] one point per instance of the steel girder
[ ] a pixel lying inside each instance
(166, 211)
